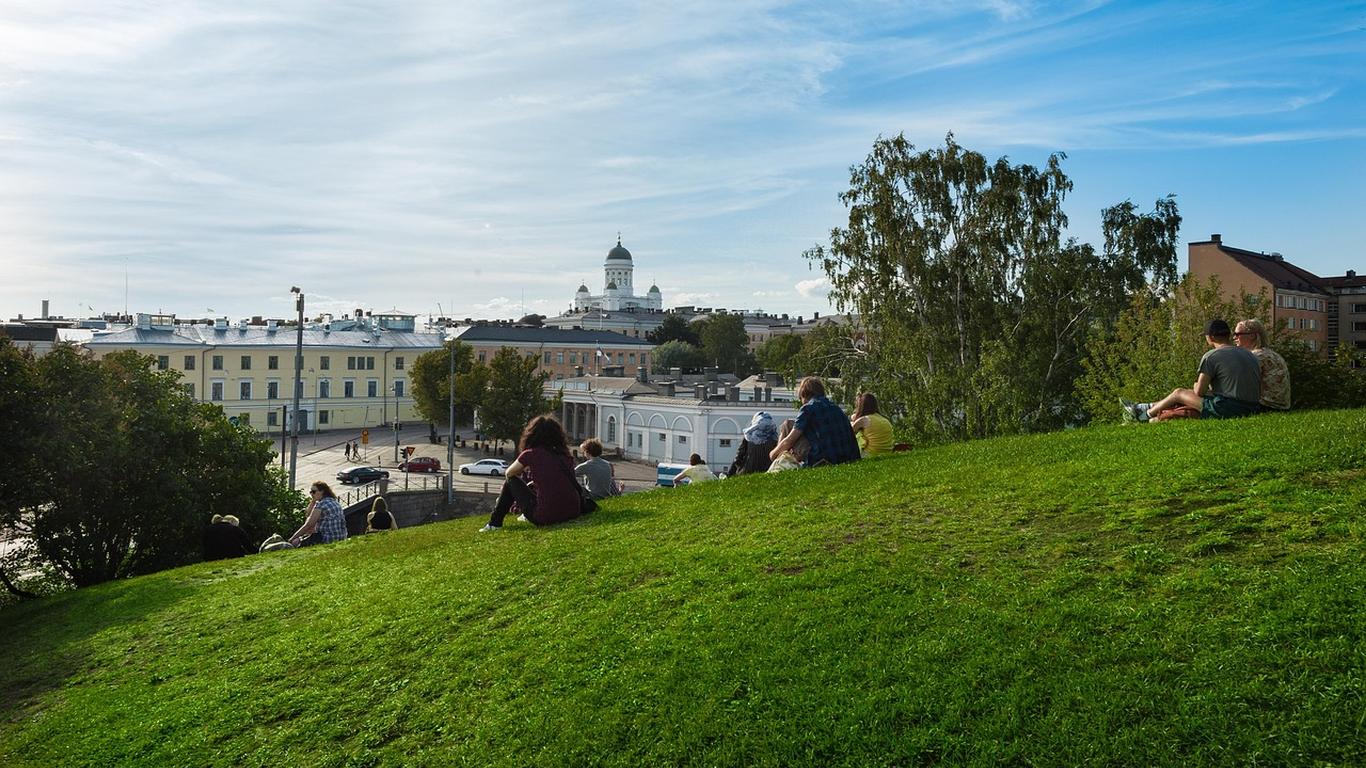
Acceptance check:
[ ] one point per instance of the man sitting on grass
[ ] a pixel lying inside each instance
(1228, 385)
(823, 424)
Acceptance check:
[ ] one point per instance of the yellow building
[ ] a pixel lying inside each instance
(351, 379)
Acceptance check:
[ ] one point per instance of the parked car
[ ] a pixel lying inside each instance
(484, 467)
(421, 464)
(361, 475)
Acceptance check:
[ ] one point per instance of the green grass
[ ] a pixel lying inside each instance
(1178, 594)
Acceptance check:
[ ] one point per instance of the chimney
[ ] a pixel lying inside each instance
(667, 389)
(758, 394)
(768, 394)
(45, 315)
(773, 378)
(1351, 273)
(815, 316)
(733, 394)
(1216, 238)
(700, 391)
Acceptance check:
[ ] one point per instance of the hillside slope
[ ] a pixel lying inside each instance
(1188, 593)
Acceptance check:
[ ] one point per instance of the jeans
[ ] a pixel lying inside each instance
(516, 490)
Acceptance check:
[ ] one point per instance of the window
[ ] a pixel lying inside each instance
(246, 362)
(1358, 326)
(244, 390)
(189, 362)
(272, 418)
(573, 358)
(481, 357)
(369, 363)
(272, 390)
(725, 442)
(547, 358)
(1358, 308)
(216, 392)
(621, 358)
(189, 390)
(398, 363)
(325, 363)
(350, 362)
(372, 388)
(398, 389)
(273, 362)
(643, 361)
(163, 362)
(1313, 345)
(662, 438)
(322, 417)
(349, 388)
(682, 439)
(611, 430)
(217, 363)
(324, 389)
(631, 357)
(559, 358)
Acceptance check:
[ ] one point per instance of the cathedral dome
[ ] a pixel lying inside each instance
(612, 286)
(618, 253)
(654, 289)
(583, 288)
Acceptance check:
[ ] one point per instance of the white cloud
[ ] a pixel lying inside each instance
(815, 288)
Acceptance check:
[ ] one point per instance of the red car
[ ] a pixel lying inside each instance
(421, 464)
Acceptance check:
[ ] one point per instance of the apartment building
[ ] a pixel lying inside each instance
(351, 379)
(1300, 299)
(1347, 310)
(561, 352)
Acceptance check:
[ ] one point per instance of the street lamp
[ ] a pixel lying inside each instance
(298, 386)
(314, 376)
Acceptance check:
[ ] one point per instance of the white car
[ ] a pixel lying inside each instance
(493, 467)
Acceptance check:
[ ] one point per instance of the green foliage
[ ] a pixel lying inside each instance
(429, 380)
(974, 312)
(129, 469)
(1110, 596)
(677, 354)
(727, 345)
(674, 328)
(1318, 381)
(782, 354)
(514, 395)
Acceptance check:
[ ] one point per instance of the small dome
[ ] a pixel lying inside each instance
(612, 286)
(618, 253)
(583, 289)
(654, 289)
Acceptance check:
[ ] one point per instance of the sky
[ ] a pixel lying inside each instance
(480, 158)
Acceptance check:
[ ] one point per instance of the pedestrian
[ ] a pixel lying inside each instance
(348, 450)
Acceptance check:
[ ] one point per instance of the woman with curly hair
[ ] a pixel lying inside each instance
(541, 480)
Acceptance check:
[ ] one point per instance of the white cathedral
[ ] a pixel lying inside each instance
(617, 293)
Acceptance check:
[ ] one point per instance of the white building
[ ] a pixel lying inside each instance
(618, 293)
(664, 422)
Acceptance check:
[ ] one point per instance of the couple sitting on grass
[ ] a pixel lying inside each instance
(1232, 380)
(543, 481)
(865, 434)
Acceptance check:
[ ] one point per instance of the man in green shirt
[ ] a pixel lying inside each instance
(1227, 385)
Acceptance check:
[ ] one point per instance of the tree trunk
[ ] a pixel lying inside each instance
(15, 589)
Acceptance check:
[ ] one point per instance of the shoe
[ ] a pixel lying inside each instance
(490, 527)
(1130, 415)
(522, 519)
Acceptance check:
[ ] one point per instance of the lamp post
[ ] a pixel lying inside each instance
(298, 385)
(450, 441)
(313, 375)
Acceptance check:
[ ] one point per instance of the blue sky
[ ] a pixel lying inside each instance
(483, 156)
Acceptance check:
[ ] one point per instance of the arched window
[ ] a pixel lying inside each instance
(611, 429)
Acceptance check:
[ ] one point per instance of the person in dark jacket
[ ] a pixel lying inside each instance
(761, 436)
(224, 538)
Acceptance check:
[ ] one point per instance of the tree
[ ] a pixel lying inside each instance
(514, 395)
(726, 344)
(131, 468)
(781, 354)
(429, 381)
(674, 328)
(974, 311)
(678, 354)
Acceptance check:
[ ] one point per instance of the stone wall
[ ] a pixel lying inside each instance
(411, 508)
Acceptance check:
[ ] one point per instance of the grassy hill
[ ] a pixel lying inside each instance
(1188, 593)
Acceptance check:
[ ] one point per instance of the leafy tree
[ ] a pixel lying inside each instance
(514, 395)
(132, 468)
(678, 354)
(726, 344)
(429, 379)
(974, 311)
(674, 328)
(782, 354)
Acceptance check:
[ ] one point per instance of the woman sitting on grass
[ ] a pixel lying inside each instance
(325, 521)
(872, 430)
(761, 436)
(697, 472)
(541, 481)
(793, 457)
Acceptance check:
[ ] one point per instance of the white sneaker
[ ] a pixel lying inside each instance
(522, 519)
(490, 527)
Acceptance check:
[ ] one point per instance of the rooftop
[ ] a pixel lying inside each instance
(526, 335)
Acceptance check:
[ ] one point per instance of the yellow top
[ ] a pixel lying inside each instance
(876, 435)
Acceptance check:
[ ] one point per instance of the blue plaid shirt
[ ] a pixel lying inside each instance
(332, 522)
(826, 427)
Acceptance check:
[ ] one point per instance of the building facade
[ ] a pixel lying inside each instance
(351, 379)
(561, 353)
(1347, 311)
(618, 292)
(1299, 299)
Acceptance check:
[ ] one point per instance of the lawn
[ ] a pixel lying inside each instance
(1177, 594)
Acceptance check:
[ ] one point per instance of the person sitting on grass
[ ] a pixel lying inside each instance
(596, 471)
(1250, 335)
(541, 480)
(697, 472)
(224, 538)
(1228, 384)
(325, 520)
(760, 437)
(872, 429)
(380, 518)
(793, 457)
(823, 424)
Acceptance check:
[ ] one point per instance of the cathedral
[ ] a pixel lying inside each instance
(617, 292)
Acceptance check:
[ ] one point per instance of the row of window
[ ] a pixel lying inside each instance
(1305, 324)
(559, 357)
(244, 390)
(353, 363)
(1299, 302)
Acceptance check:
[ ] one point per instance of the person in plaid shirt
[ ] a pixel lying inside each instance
(326, 520)
(824, 425)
